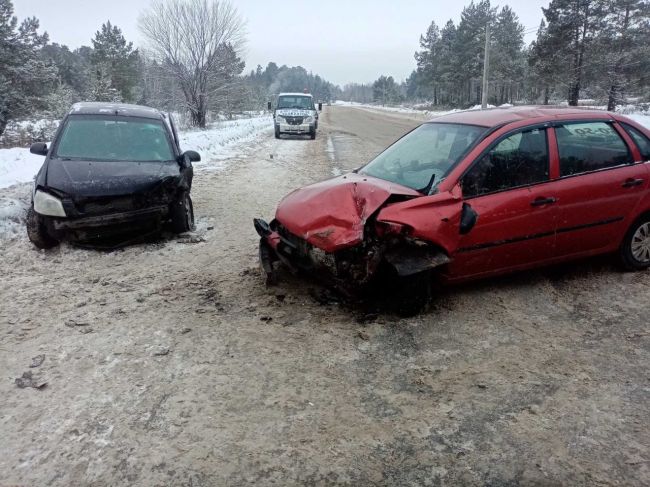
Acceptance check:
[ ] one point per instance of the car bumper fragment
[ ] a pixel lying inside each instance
(110, 219)
(304, 128)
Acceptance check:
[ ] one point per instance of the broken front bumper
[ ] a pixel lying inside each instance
(110, 225)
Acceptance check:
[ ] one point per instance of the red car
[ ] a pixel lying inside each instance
(473, 194)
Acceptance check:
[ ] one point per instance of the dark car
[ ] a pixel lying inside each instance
(112, 171)
(470, 195)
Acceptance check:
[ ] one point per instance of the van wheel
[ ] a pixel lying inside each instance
(36, 231)
(277, 134)
(182, 214)
(312, 134)
(635, 249)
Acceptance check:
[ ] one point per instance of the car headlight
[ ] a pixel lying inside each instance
(308, 120)
(279, 119)
(48, 205)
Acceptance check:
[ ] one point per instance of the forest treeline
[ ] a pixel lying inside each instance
(583, 49)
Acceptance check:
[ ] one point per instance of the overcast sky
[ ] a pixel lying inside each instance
(342, 40)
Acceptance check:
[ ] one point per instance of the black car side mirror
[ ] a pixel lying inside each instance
(468, 219)
(188, 157)
(320, 106)
(269, 106)
(39, 148)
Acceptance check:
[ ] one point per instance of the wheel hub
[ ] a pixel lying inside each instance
(641, 243)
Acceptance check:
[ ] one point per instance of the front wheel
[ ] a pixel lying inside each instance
(36, 231)
(411, 294)
(182, 213)
(277, 133)
(635, 249)
(312, 134)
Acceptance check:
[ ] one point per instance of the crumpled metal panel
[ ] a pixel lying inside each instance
(332, 214)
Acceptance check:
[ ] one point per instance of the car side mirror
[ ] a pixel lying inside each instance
(468, 219)
(39, 148)
(269, 106)
(188, 157)
(320, 106)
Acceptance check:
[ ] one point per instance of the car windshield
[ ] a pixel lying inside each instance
(297, 102)
(430, 150)
(111, 138)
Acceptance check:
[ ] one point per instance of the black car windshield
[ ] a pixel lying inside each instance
(296, 101)
(111, 138)
(430, 150)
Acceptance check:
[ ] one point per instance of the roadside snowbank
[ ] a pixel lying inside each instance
(18, 165)
(224, 140)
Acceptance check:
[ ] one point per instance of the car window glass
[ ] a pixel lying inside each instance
(114, 139)
(589, 146)
(427, 152)
(642, 142)
(516, 161)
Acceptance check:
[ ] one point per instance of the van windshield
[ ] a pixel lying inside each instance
(296, 102)
(432, 149)
(112, 138)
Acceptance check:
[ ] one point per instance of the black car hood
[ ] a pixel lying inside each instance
(101, 178)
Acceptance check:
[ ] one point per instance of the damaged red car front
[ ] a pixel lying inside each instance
(342, 230)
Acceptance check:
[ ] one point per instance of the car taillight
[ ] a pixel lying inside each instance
(392, 228)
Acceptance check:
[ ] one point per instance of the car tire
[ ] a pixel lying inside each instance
(312, 134)
(277, 134)
(182, 213)
(411, 294)
(635, 249)
(36, 231)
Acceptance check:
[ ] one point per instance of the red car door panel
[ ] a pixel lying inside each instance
(515, 227)
(595, 206)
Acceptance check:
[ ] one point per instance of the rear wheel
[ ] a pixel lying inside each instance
(37, 232)
(635, 250)
(182, 214)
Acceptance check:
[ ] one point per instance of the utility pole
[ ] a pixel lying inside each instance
(486, 67)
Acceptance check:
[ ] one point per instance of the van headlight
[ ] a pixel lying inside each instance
(48, 205)
(308, 120)
(279, 119)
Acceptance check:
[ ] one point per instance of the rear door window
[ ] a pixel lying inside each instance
(590, 146)
(642, 142)
(519, 160)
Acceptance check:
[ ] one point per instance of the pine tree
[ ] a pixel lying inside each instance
(114, 54)
(428, 60)
(507, 60)
(24, 76)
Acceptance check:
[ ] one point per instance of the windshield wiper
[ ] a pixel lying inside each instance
(427, 189)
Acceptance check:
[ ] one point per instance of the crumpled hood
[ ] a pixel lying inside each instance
(293, 112)
(96, 179)
(331, 215)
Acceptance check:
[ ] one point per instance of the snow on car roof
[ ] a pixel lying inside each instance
(123, 109)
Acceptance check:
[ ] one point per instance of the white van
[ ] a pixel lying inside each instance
(296, 114)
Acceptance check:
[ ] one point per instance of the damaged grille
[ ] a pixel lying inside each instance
(107, 205)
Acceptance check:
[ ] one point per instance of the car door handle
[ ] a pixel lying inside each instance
(631, 183)
(543, 201)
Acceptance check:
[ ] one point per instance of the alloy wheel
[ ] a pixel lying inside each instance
(641, 243)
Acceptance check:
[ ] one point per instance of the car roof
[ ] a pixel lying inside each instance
(122, 109)
(493, 117)
(296, 94)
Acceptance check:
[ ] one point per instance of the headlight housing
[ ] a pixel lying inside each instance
(308, 120)
(279, 119)
(48, 205)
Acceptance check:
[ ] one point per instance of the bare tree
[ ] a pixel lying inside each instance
(195, 39)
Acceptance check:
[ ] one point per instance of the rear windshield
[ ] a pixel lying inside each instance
(111, 138)
(297, 102)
